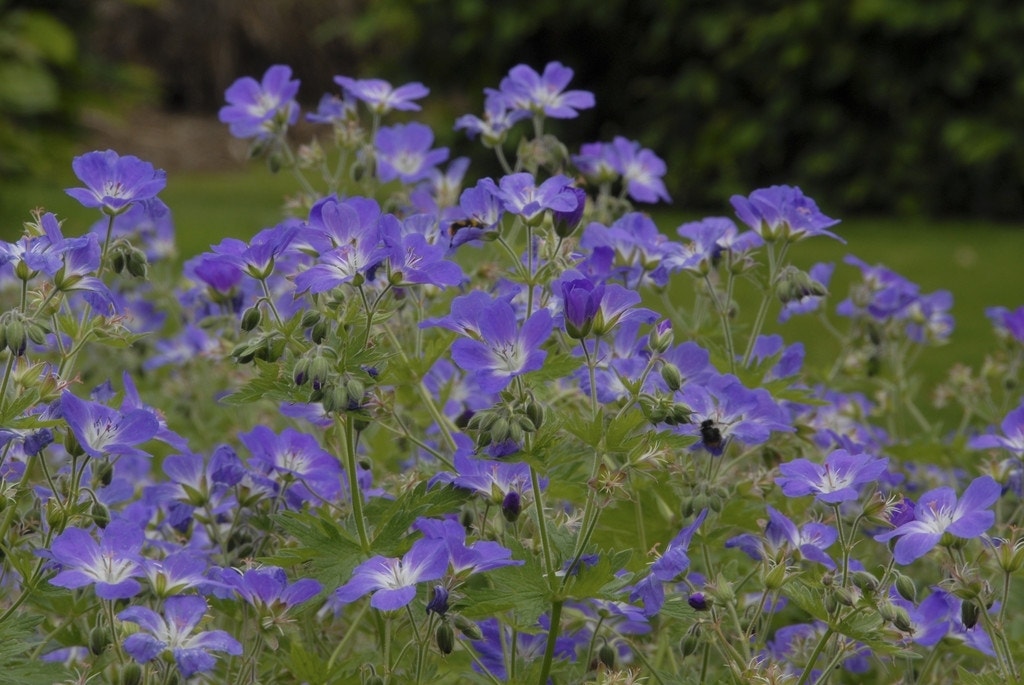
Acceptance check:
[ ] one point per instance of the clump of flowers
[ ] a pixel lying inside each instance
(441, 424)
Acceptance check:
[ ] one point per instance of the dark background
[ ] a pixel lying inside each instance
(909, 107)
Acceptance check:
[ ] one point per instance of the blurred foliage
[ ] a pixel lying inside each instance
(47, 79)
(911, 106)
(37, 53)
(905, 105)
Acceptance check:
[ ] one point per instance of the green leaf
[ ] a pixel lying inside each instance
(521, 589)
(600, 580)
(391, 538)
(556, 366)
(325, 549)
(269, 383)
(17, 642)
(966, 677)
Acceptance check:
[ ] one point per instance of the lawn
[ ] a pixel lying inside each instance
(978, 261)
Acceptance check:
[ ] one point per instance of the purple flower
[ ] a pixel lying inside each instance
(939, 511)
(545, 93)
(112, 564)
(482, 555)
(581, 300)
(297, 461)
(333, 110)
(498, 118)
(820, 273)
(640, 251)
(412, 260)
(723, 408)
(173, 632)
(781, 534)
(520, 194)
(783, 213)
(668, 568)
(492, 480)
(380, 96)
(392, 581)
(1007, 323)
(641, 171)
(261, 109)
(1012, 438)
(343, 264)
(503, 350)
(115, 182)
(267, 587)
(596, 161)
(837, 480)
(102, 431)
(403, 152)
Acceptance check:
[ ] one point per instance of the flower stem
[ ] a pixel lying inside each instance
(549, 649)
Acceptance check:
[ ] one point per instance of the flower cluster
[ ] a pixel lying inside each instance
(495, 428)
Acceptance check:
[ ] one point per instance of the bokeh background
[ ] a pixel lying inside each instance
(903, 117)
(872, 106)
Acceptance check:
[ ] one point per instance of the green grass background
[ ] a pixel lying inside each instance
(980, 262)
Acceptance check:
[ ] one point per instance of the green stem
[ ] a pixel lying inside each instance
(549, 650)
(818, 649)
(542, 527)
(349, 445)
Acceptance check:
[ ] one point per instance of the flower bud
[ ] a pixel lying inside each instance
(136, 263)
(969, 614)
(567, 222)
(100, 515)
(671, 375)
(310, 318)
(691, 641)
(438, 600)
(905, 587)
(103, 471)
(535, 410)
(318, 333)
(467, 627)
(130, 674)
(606, 655)
(864, 581)
(445, 637)
(511, 506)
(99, 640)
(776, 577)
(698, 601)
(661, 337)
(17, 339)
(251, 318)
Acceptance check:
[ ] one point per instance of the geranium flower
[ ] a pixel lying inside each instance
(380, 96)
(112, 564)
(1007, 323)
(939, 511)
(392, 581)
(294, 456)
(780, 533)
(520, 194)
(268, 587)
(482, 555)
(499, 117)
(837, 480)
(545, 93)
(172, 633)
(504, 350)
(1012, 438)
(641, 170)
(114, 182)
(261, 109)
(724, 409)
(783, 213)
(403, 153)
(102, 431)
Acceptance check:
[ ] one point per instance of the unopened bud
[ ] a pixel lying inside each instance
(671, 375)
(467, 627)
(251, 318)
(100, 515)
(691, 641)
(445, 637)
(607, 656)
(969, 614)
(99, 640)
(130, 674)
(905, 587)
(511, 506)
